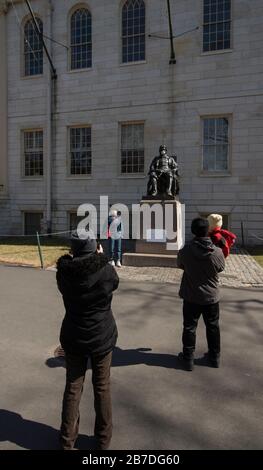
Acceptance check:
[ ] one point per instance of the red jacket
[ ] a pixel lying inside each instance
(224, 239)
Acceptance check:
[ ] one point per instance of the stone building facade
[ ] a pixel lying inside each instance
(207, 108)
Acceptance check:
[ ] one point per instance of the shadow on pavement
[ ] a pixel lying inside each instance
(130, 357)
(53, 362)
(31, 435)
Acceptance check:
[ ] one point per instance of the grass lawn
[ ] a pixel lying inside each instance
(257, 253)
(25, 250)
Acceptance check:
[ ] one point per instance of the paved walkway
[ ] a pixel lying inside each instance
(241, 271)
(156, 405)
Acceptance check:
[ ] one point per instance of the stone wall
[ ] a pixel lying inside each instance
(169, 99)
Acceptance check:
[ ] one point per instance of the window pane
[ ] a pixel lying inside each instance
(132, 148)
(33, 48)
(209, 131)
(133, 31)
(222, 130)
(33, 153)
(138, 136)
(80, 151)
(215, 144)
(209, 157)
(32, 221)
(81, 39)
(221, 157)
(74, 220)
(217, 25)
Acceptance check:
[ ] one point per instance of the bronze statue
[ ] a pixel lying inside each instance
(163, 175)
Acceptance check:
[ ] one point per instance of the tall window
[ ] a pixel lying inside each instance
(80, 42)
(132, 148)
(215, 144)
(74, 220)
(217, 25)
(33, 153)
(33, 48)
(133, 31)
(32, 222)
(80, 150)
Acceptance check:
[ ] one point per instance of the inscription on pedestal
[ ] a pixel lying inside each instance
(156, 235)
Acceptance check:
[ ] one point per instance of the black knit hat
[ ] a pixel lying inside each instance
(82, 246)
(200, 227)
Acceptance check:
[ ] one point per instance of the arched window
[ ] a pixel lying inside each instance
(133, 31)
(80, 39)
(33, 48)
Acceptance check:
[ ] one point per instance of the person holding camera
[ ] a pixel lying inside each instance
(201, 262)
(86, 281)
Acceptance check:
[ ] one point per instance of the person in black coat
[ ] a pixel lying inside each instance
(201, 262)
(86, 281)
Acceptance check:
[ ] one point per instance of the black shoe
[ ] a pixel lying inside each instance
(188, 364)
(208, 360)
(213, 361)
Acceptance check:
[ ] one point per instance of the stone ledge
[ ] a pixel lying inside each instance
(146, 259)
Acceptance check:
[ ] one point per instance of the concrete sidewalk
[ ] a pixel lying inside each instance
(156, 404)
(241, 270)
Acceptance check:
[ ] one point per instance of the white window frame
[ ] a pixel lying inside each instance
(69, 174)
(131, 123)
(216, 51)
(23, 159)
(77, 7)
(226, 172)
(23, 53)
(133, 62)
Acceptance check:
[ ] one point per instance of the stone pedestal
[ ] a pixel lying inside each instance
(160, 233)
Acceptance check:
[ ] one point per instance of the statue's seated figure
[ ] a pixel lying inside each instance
(163, 175)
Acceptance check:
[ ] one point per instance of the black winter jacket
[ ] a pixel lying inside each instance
(86, 284)
(201, 261)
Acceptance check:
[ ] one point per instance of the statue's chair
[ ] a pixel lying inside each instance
(163, 184)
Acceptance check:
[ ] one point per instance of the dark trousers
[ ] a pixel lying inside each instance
(76, 367)
(192, 313)
(115, 246)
